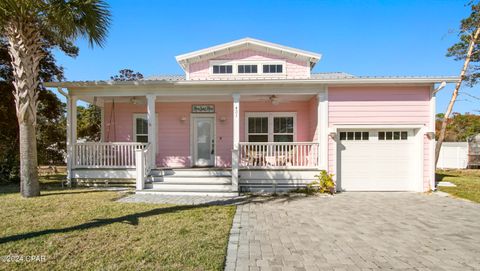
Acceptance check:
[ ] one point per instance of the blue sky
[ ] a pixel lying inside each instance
(357, 37)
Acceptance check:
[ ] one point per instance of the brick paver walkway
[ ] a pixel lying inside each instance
(357, 231)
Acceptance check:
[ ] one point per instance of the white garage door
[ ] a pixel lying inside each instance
(376, 160)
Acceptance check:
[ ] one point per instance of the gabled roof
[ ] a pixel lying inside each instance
(236, 45)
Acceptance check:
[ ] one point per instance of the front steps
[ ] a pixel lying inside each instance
(190, 181)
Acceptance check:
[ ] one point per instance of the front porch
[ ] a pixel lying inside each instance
(252, 142)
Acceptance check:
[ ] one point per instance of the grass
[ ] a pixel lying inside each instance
(467, 183)
(87, 229)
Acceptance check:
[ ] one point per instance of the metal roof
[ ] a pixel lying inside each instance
(316, 78)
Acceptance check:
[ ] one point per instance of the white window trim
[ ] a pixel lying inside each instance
(134, 119)
(259, 64)
(270, 116)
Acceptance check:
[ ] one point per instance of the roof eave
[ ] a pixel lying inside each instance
(339, 81)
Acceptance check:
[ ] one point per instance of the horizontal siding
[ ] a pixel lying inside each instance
(380, 105)
(304, 115)
(294, 68)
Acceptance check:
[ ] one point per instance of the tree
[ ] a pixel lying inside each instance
(460, 127)
(26, 24)
(127, 75)
(51, 113)
(467, 49)
(89, 122)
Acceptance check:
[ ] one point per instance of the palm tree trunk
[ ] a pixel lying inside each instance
(29, 186)
(468, 57)
(25, 51)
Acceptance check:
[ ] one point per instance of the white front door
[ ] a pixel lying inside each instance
(203, 141)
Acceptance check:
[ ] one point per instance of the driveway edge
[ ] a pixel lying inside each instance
(233, 241)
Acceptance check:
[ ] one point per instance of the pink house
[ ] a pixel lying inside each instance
(249, 115)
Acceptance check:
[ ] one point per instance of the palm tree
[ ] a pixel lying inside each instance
(26, 24)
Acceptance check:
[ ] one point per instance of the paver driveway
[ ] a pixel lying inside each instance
(358, 231)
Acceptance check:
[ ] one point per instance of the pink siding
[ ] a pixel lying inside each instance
(173, 144)
(294, 68)
(380, 105)
(301, 108)
(312, 111)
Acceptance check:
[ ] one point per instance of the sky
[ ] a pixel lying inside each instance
(398, 38)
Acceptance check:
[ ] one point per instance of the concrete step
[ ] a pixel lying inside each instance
(192, 172)
(191, 180)
(187, 193)
(176, 187)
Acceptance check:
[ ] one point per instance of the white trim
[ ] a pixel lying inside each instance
(193, 151)
(69, 140)
(270, 116)
(307, 81)
(336, 127)
(322, 129)
(134, 131)
(421, 157)
(152, 127)
(104, 173)
(236, 139)
(433, 109)
(234, 63)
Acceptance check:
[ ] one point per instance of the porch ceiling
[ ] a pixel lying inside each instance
(196, 99)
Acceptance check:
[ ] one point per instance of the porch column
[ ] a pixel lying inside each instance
(71, 135)
(102, 123)
(236, 140)
(152, 128)
(322, 129)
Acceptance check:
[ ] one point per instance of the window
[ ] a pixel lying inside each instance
(271, 127)
(141, 128)
(276, 68)
(222, 69)
(393, 135)
(247, 68)
(258, 129)
(354, 135)
(283, 129)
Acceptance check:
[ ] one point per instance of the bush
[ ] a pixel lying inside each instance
(323, 184)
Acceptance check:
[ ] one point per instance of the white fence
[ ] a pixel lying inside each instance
(453, 155)
(278, 154)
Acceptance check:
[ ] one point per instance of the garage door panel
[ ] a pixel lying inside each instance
(375, 165)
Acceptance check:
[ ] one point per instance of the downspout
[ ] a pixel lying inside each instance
(434, 93)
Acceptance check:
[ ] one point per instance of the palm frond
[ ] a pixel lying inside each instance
(79, 18)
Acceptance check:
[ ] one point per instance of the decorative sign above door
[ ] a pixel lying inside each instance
(203, 108)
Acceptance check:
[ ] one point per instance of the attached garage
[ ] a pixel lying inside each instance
(377, 159)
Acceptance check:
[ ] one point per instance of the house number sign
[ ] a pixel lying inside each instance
(203, 108)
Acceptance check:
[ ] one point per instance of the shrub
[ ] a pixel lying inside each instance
(323, 184)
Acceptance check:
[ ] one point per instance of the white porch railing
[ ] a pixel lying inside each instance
(143, 158)
(278, 154)
(106, 154)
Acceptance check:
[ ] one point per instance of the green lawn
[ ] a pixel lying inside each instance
(87, 229)
(467, 181)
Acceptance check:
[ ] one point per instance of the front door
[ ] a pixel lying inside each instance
(203, 141)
